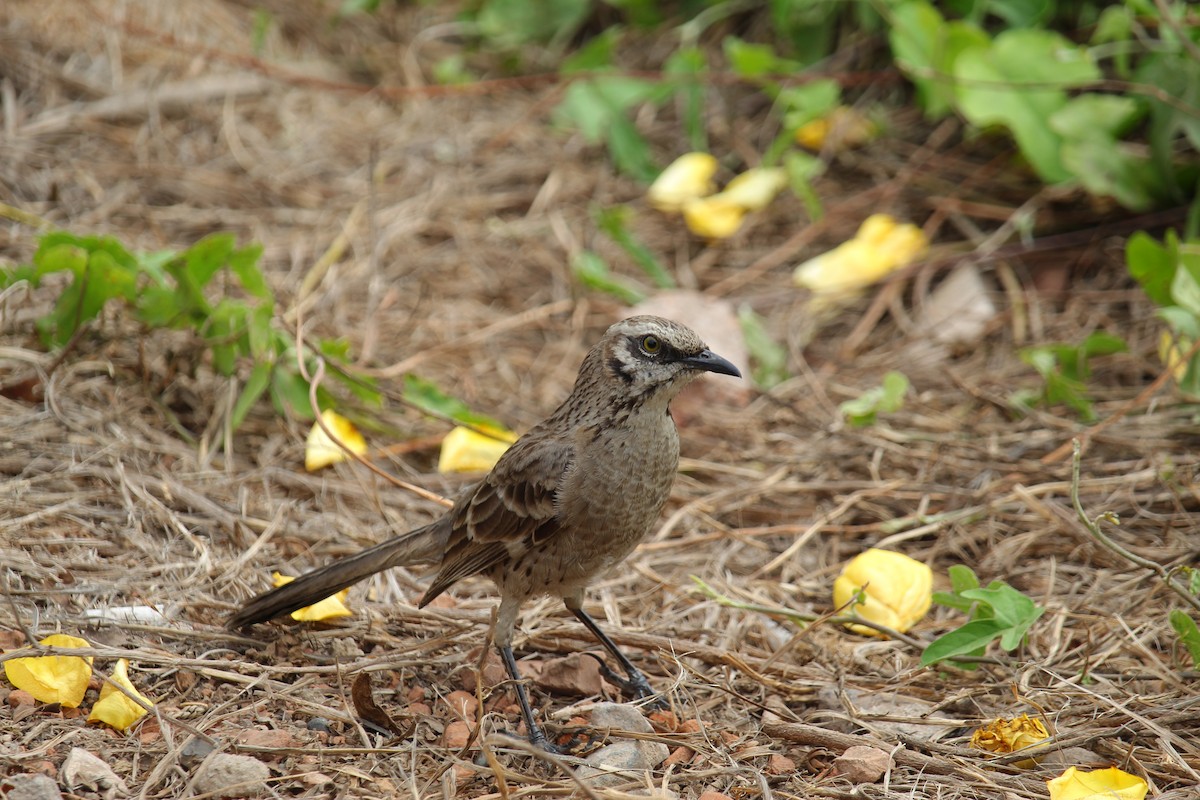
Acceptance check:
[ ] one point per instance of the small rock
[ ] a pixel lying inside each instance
(319, 724)
(618, 717)
(29, 787)
(711, 795)
(862, 764)
(690, 726)
(622, 762)
(194, 751)
(493, 673)
(456, 735)
(463, 705)
(574, 675)
(680, 755)
(420, 710)
(416, 694)
(779, 765)
(227, 775)
(664, 720)
(82, 770)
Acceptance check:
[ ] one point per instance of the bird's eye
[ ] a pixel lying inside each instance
(651, 344)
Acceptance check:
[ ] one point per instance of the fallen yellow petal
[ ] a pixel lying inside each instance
(847, 128)
(1170, 353)
(467, 450)
(53, 679)
(1100, 784)
(1009, 735)
(755, 188)
(114, 708)
(881, 246)
(330, 608)
(898, 589)
(321, 451)
(713, 217)
(687, 178)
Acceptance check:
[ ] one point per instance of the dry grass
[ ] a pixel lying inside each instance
(461, 212)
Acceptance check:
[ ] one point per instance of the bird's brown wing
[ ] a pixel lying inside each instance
(512, 505)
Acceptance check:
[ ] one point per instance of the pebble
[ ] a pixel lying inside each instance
(227, 775)
(30, 787)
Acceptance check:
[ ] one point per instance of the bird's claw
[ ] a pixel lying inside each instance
(635, 685)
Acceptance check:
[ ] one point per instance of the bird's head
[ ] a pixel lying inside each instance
(652, 355)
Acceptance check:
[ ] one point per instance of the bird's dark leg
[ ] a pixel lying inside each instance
(537, 736)
(636, 684)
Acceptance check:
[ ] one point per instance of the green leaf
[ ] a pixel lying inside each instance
(244, 263)
(508, 24)
(614, 221)
(1091, 126)
(630, 152)
(802, 169)
(883, 399)
(970, 639)
(962, 578)
(749, 60)
(1153, 265)
(259, 333)
(926, 47)
(65, 257)
(1185, 286)
(157, 307)
(206, 257)
(222, 331)
(1020, 82)
(684, 67)
(770, 367)
(1102, 343)
(1009, 606)
(427, 396)
(1189, 634)
(803, 104)
(256, 384)
(592, 271)
(289, 391)
(596, 54)
(593, 105)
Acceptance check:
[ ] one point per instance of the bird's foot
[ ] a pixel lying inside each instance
(635, 685)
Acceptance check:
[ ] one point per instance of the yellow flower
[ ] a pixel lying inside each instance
(713, 217)
(114, 708)
(53, 679)
(1010, 735)
(466, 450)
(1100, 784)
(1170, 353)
(755, 188)
(687, 178)
(848, 127)
(881, 246)
(329, 608)
(897, 589)
(321, 451)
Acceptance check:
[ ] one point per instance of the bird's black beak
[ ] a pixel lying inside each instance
(708, 361)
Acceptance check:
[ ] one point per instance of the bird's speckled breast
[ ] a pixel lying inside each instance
(617, 489)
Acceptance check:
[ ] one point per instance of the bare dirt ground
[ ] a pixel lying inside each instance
(460, 212)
